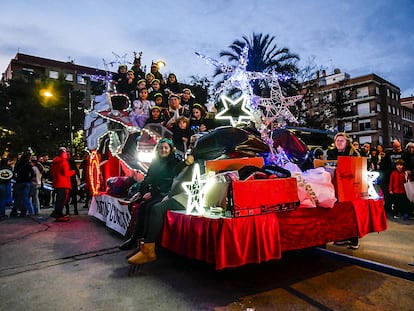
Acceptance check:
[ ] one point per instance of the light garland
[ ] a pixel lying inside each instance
(94, 172)
(372, 177)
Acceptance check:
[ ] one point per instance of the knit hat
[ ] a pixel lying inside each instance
(157, 95)
(155, 107)
(155, 80)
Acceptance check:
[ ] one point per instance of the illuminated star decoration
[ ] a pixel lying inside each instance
(372, 177)
(277, 106)
(229, 104)
(238, 76)
(194, 191)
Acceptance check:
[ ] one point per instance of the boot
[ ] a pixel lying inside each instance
(129, 244)
(136, 249)
(146, 254)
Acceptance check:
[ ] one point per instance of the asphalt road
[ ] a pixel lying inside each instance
(76, 265)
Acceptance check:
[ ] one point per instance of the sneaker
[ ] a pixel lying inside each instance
(351, 246)
(54, 215)
(62, 219)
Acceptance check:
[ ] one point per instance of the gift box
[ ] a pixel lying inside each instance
(252, 197)
(351, 178)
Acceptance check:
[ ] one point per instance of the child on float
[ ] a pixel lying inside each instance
(400, 203)
(155, 116)
(160, 100)
(141, 109)
(181, 133)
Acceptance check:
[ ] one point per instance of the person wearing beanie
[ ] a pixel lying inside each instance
(155, 116)
(61, 177)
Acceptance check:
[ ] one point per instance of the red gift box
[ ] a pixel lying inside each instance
(351, 178)
(252, 197)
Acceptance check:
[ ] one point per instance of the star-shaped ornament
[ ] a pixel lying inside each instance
(238, 76)
(194, 190)
(235, 111)
(277, 105)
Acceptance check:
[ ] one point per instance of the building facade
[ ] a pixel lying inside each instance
(28, 67)
(368, 108)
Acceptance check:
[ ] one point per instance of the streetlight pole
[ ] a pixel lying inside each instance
(70, 120)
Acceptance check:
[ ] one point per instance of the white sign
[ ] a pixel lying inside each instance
(109, 210)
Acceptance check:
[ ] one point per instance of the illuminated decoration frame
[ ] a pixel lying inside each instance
(227, 102)
(239, 77)
(194, 190)
(277, 105)
(94, 172)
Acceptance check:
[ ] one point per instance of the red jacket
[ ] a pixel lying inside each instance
(61, 173)
(397, 181)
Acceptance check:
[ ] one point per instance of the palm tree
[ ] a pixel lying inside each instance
(265, 56)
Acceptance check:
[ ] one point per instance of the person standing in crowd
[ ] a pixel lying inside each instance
(400, 203)
(155, 186)
(85, 180)
(387, 166)
(35, 185)
(343, 147)
(6, 175)
(73, 192)
(23, 174)
(61, 177)
(45, 192)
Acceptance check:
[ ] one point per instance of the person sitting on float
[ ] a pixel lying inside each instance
(155, 186)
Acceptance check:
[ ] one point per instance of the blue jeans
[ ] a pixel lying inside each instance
(22, 197)
(3, 199)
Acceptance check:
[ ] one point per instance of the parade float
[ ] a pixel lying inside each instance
(251, 194)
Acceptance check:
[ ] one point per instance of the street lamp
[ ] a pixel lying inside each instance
(48, 94)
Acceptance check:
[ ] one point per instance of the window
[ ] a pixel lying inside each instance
(378, 108)
(365, 139)
(377, 91)
(380, 140)
(69, 77)
(80, 79)
(364, 124)
(53, 74)
(363, 108)
(393, 110)
(347, 126)
(388, 92)
(362, 92)
(379, 124)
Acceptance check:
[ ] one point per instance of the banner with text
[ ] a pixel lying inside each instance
(109, 210)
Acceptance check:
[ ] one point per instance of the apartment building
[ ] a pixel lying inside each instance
(368, 108)
(28, 67)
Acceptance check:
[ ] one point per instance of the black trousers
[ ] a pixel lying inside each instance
(156, 216)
